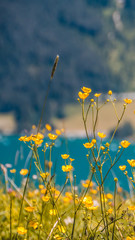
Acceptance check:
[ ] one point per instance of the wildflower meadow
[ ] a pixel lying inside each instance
(48, 211)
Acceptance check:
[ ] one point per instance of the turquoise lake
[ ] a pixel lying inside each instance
(14, 152)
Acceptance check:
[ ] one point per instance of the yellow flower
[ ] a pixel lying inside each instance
(45, 198)
(102, 148)
(107, 145)
(33, 126)
(22, 138)
(21, 230)
(68, 195)
(41, 186)
(92, 207)
(38, 142)
(61, 229)
(109, 196)
(86, 90)
(57, 236)
(131, 162)
(33, 224)
(47, 145)
(87, 184)
(97, 95)
(83, 95)
(44, 175)
(64, 156)
(67, 168)
(43, 191)
(131, 207)
(52, 212)
(40, 136)
(71, 159)
(125, 143)
(88, 145)
(93, 191)
(110, 92)
(122, 167)
(52, 136)
(110, 210)
(48, 127)
(29, 209)
(87, 201)
(101, 135)
(58, 132)
(13, 170)
(93, 141)
(24, 172)
(127, 100)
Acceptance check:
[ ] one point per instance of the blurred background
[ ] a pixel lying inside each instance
(95, 40)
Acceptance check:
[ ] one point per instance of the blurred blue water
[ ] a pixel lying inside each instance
(18, 154)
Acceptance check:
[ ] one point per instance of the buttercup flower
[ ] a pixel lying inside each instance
(83, 95)
(131, 208)
(122, 168)
(52, 212)
(33, 224)
(127, 100)
(93, 141)
(38, 142)
(64, 156)
(71, 159)
(41, 186)
(88, 145)
(21, 230)
(87, 183)
(97, 95)
(45, 198)
(44, 175)
(86, 90)
(29, 209)
(61, 229)
(39, 136)
(52, 136)
(13, 170)
(48, 127)
(58, 132)
(57, 236)
(102, 148)
(22, 138)
(110, 92)
(110, 210)
(67, 168)
(125, 143)
(109, 196)
(101, 135)
(131, 162)
(24, 172)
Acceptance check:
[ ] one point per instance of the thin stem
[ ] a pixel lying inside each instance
(10, 217)
(114, 209)
(24, 191)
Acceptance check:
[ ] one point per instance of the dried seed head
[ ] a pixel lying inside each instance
(54, 66)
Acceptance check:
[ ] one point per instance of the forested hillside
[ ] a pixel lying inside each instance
(94, 38)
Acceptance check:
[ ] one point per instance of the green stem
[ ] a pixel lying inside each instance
(24, 191)
(114, 209)
(10, 217)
